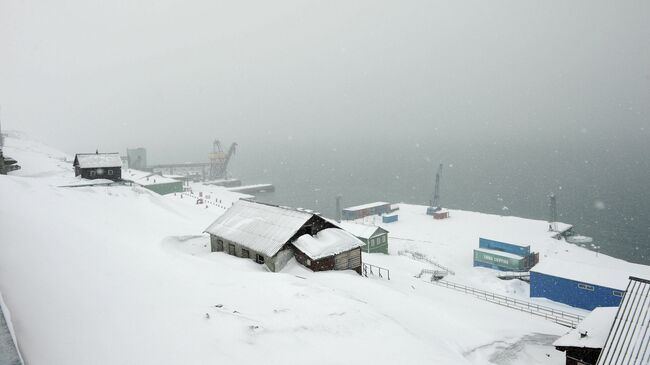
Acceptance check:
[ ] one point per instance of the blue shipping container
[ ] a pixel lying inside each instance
(389, 218)
(574, 293)
(505, 247)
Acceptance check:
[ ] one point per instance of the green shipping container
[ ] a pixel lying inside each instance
(494, 260)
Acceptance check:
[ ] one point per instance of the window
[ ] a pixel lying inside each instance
(617, 293)
(383, 238)
(110, 172)
(219, 245)
(231, 249)
(93, 173)
(245, 253)
(259, 259)
(586, 287)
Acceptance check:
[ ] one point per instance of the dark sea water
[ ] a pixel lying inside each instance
(601, 185)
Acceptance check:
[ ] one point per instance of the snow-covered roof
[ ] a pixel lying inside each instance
(596, 325)
(262, 228)
(361, 230)
(328, 242)
(628, 341)
(145, 178)
(614, 278)
(97, 160)
(366, 206)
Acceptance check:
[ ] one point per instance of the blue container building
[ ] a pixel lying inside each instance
(389, 218)
(578, 285)
(504, 247)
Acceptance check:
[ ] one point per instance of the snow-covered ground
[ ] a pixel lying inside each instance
(121, 275)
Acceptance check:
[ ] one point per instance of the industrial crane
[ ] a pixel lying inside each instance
(219, 160)
(434, 203)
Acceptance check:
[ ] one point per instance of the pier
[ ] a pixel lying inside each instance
(257, 188)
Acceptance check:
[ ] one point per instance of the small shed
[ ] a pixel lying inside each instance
(329, 249)
(579, 284)
(375, 238)
(389, 218)
(441, 214)
(263, 232)
(365, 210)
(628, 341)
(98, 166)
(584, 343)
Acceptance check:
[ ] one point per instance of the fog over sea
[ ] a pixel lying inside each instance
(601, 189)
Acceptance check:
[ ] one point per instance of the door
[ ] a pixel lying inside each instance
(231, 249)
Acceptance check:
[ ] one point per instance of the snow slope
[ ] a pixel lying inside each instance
(121, 275)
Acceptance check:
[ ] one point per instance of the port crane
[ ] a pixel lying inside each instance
(219, 160)
(434, 203)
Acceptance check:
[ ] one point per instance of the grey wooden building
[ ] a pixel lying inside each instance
(266, 233)
(98, 166)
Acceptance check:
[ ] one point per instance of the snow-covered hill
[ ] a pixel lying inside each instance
(120, 275)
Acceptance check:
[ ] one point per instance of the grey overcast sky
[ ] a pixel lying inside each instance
(111, 74)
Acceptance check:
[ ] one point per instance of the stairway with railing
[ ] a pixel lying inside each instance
(435, 274)
(423, 258)
(554, 315)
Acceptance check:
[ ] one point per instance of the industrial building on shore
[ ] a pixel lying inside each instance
(154, 182)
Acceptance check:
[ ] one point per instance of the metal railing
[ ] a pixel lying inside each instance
(554, 315)
(422, 257)
(205, 200)
(509, 275)
(369, 269)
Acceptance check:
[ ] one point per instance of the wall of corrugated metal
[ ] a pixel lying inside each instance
(567, 291)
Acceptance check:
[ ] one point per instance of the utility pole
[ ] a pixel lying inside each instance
(552, 219)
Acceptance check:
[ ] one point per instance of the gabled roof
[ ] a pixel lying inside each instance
(362, 230)
(628, 342)
(596, 326)
(97, 160)
(328, 242)
(262, 228)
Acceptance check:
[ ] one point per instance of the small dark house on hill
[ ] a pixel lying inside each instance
(267, 234)
(329, 249)
(583, 344)
(98, 166)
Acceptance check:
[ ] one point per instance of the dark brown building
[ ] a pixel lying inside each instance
(583, 344)
(329, 249)
(98, 166)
